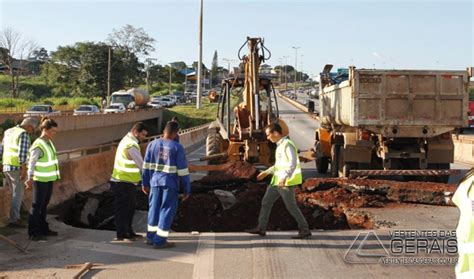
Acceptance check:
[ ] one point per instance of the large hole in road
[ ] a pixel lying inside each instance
(230, 201)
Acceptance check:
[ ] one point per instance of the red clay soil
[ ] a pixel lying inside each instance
(327, 203)
(234, 171)
(203, 212)
(413, 191)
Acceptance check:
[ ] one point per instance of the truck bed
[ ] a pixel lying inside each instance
(398, 103)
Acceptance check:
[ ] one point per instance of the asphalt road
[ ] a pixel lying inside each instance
(327, 254)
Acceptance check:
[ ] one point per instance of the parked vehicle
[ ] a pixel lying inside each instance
(86, 109)
(168, 101)
(156, 104)
(132, 98)
(181, 97)
(40, 110)
(115, 108)
(390, 122)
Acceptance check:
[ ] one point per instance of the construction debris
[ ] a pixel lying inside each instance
(13, 243)
(84, 268)
(228, 201)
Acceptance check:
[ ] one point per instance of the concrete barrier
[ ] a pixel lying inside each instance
(88, 130)
(86, 168)
(298, 106)
(464, 149)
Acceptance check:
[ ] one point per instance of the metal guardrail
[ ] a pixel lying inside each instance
(81, 152)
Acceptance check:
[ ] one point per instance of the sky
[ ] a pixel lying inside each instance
(404, 34)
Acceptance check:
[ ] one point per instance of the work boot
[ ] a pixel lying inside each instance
(121, 240)
(165, 245)
(256, 231)
(39, 238)
(134, 235)
(302, 234)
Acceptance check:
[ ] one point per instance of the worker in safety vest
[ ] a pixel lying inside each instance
(464, 199)
(164, 169)
(126, 176)
(286, 175)
(13, 155)
(43, 171)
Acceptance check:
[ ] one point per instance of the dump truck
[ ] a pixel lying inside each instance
(132, 98)
(390, 122)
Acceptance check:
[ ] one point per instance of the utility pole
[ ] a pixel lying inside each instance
(109, 65)
(296, 71)
(199, 81)
(228, 64)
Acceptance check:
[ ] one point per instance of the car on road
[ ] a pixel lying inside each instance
(115, 108)
(39, 110)
(168, 101)
(86, 109)
(180, 96)
(156, 104)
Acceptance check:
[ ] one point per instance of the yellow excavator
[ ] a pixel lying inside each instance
(247, 104)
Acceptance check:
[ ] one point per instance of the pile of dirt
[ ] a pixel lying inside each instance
(395, 191)
(203, 212)
(229, 201)
(233, 171)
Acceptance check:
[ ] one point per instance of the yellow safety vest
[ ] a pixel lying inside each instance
(47, 167)
(11, 149)
(464, 199)
(124, 168)
(283, 164)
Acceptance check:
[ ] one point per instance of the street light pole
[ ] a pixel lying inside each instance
(109, 65)
(286, 73)
(199, 82)
(296, 71)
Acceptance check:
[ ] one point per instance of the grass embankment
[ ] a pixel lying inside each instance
(189, 116)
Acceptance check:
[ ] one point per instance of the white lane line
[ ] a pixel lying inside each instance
(204, 263)
(131, 251)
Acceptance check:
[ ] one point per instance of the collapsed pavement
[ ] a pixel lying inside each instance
(229, 201)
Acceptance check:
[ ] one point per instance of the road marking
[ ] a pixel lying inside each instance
(131, 251)
(204, 263)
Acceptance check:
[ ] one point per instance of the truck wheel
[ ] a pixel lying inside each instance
(214, 144)
(344, 167)
(322, 163)
(335, 148)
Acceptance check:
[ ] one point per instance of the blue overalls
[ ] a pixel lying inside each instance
(164, 168)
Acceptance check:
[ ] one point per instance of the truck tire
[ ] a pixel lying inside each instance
(345, 167)
(322, 163)
(335, 149)
(214, 144)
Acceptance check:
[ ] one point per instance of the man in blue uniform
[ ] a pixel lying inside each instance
(165, 167)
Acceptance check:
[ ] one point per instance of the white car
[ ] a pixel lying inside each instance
(39, 110)
(156, 104)
(168, 101)
(115, 108)
(86, 109)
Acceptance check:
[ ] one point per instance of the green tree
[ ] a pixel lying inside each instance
(133, 40)
(214, 68)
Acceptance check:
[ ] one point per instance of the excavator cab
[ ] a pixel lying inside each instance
(247, 104)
